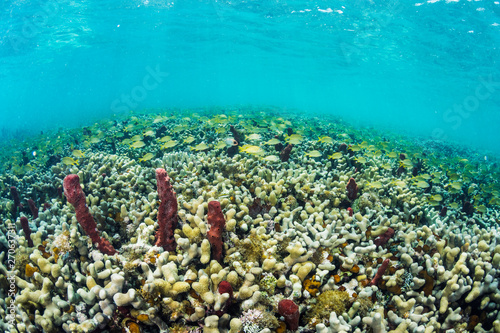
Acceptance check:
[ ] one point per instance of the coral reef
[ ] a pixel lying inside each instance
(208, 242)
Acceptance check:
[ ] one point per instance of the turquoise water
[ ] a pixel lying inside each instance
(428, 69)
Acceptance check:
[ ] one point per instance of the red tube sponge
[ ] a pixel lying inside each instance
(384, 238)
(74, 193)
(167, 211)
(33, 208)
(217, 224)
(27, 230)
(288, 309)
(225, 287)
(380, 272)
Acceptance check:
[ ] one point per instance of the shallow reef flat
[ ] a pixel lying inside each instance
(246, 220)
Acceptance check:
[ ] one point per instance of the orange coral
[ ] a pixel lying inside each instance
(133, 327)
(30, 270)
(143, 317)
(56, 253)
(312, 285)
(282, 328)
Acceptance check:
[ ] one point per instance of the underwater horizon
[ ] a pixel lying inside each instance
(427, 69)
(243, 166)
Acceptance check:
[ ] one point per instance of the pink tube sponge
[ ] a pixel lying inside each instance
(288, 309)
(217, 224)
(74, 193)
(167, 211)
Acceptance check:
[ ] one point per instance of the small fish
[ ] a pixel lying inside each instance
(189, 139)
(294, 139)
(149, 133)
(481, 208)
(220, 145)
(376, 184)
(137, 144)
(94, 140)
(165, 138)
(325, 139)
(78, 153)
(126, 142)
(400, 183)
(421, 184)
(179, 128)
(313, 153)
(436, 197)
(406, 163)
(456, 185)
(354, 148)
(271, 158)
(146, 157)
(253, 137)
(220, 130)
(335, 156)
(230, 142)
(386, 166)
(159, 119)
(200, 147)
(361, 159)
(69, 161)
(273, 141)
(169, 144)
(253, 150)
(392, 154)
(137, 137)
(436, 174)
(494, 201)
(454, 205)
